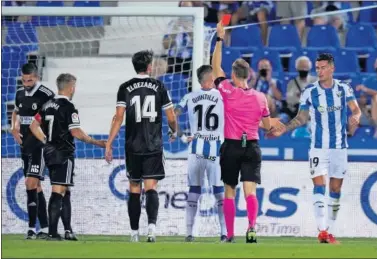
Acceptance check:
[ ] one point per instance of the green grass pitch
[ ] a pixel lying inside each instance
(14, 246)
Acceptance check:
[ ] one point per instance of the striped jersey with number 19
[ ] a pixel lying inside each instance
(205, 110)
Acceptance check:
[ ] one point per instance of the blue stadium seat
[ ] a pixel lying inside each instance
(368, 15)
(370, 62)
(284, 38)
(49, 20)
(228, 57)
(247, 37)
(323, 37)
(361, 38)
(311, 54)
(271, 55)
(346, 63)
(176, 84)
(85, 21)
(24, 34)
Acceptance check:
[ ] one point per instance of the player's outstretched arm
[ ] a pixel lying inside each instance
(217, 53)
(116, 123)
(172, 121)
(279, 129)
(35, 128)
(81, 135)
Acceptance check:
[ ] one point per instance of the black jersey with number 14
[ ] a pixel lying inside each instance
(144, 99)
(57, 118)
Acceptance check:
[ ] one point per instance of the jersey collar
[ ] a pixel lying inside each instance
(141, 76)
(61, 97)
(31, 93)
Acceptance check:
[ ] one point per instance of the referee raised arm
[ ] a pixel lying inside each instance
(244, 109)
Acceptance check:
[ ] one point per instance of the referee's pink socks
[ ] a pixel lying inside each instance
(252, 209)
(229, 215)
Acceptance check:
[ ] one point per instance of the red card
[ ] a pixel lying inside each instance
(226, 19)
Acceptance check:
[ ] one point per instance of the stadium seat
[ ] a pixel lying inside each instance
(368, 15)
(176, 84)
(85, 21)
(361, 38)
(49, 20)
(228, 57)
(370, 62)
(346, 63)
(271, 55)
(284, 38)
(246, 37)
(23, 34)
(323, 37)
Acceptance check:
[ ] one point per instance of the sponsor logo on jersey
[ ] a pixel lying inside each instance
(26, 120)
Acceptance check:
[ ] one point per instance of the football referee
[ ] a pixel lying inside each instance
(244, 109)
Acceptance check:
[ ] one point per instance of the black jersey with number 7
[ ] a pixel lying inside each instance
(144, 99)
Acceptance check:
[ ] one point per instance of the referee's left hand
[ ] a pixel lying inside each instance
(108, 154)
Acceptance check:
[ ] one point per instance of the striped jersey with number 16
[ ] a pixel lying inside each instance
(206, 116)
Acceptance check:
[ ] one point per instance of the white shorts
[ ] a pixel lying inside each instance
(198, 167)
(333, 162)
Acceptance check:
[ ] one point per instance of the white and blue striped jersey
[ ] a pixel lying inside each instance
(206, 116)
(328, 113)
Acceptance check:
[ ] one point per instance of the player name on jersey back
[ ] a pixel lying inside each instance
(206, 116)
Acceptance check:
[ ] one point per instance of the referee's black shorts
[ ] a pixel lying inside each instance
(236, 160)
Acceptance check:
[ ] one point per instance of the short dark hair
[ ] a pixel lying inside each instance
(141, 60)
(326, 57)
(201, 71)
(241, 68)
(63, 79)
(29, 68)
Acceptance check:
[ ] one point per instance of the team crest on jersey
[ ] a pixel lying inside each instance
(339, 94)
(34, 106)
(75, 118)
(321, 109)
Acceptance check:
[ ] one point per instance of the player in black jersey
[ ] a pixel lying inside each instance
(56, 125)
(29, 99)
(143, 99)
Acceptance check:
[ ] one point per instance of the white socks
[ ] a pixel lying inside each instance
(333, 208)
(220, 203)
(191, 209)
(319, 203)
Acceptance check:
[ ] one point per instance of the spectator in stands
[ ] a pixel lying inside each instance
(268, 85)
(368, 108)
(296, 85)
(256, 11)
(286, 9)
(339, 21)
(178, 43)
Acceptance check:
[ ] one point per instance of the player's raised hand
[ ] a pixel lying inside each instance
(17, 135)
(220, 30)
(108, 154)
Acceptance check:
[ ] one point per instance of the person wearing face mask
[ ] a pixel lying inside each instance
(296, 85)
(268, 85)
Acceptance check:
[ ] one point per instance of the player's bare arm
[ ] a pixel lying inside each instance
(115, 127)
(35, 128)
(172, 121)
(356, 113)
(81, 135)
(301, 118)
(216, 58)
(267, 123)
(15, 129)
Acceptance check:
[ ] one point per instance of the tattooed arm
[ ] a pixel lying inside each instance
(301, 119)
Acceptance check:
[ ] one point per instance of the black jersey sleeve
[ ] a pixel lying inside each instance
(17, 101)
(47, 94)
(121, 96)
(165, 98)
(72, 117)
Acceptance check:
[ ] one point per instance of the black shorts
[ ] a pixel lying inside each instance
(34, 164)
(62, 174)
(141, 167)
(235, 159)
